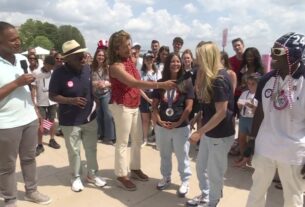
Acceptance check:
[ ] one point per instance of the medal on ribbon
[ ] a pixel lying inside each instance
(170, 97)
(280, 101)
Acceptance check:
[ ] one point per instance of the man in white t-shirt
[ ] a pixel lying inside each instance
(18, 121)
(46, 107)
(279, 124)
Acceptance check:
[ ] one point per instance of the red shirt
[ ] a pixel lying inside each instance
(123, 94)
(236, 64)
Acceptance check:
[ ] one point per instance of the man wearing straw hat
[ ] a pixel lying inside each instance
(71, 87)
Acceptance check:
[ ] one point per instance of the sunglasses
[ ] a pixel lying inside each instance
(278, 51)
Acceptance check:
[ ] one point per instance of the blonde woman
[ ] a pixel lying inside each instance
(124, 105)
(216, 135)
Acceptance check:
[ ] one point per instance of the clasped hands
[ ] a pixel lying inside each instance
(169, 124)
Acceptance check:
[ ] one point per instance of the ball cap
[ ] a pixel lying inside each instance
(136, 44)
(295, 43)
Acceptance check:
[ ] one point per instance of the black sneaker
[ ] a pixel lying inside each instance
(54, 144)
(39, 150)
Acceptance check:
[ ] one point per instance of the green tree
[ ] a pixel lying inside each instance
(68, 32)
(51, 32)
(56, 35)
(42, 41)
(28, 32)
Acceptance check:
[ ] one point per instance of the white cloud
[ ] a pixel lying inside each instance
(157, 24)
(258, 22)
(190, 8)
(145, 2)
(202, 31)
(138, 24)
(220, 5)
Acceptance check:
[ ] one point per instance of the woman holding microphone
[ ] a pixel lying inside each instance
(124, 105)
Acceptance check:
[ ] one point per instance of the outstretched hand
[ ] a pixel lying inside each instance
(168, 84)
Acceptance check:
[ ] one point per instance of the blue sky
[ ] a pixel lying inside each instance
(258, 22)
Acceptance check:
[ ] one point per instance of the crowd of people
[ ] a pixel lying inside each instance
(175, 99)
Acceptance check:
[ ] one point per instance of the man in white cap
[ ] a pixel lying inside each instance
(137, 47)
(18, 121)
(71, 87)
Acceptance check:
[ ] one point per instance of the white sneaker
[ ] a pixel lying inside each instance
(97, 181)
(77, 184)
(183, 189)
(199, 200)
(144, 143)
(163, 183)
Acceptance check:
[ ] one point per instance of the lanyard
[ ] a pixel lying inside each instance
(170, 97)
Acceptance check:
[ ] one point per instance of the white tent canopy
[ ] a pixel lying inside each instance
(39, 51)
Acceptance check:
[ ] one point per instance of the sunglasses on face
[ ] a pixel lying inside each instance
(278, 51)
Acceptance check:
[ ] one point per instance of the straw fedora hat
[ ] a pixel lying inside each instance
(71, 47)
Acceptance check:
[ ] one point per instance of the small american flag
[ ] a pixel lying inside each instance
(46, 124)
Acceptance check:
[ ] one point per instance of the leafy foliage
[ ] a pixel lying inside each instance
(43, 41)
(36, 33)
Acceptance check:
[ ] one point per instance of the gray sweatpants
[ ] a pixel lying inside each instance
(19, 140)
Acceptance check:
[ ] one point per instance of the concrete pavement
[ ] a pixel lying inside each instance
(54, 180)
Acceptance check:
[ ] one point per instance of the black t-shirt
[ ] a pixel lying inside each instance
(222, 91)
(67, 82)
(178, 104)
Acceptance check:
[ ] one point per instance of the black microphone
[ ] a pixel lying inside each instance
(185, 76)
(24, 66)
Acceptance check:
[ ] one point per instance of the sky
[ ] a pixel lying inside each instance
(258, 22)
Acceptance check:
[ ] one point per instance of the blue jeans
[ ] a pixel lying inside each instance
(174, 140)
(211, 165)
(105, 121)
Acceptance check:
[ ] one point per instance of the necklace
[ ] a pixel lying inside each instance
(279, 98)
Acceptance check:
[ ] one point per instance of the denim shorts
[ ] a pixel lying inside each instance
(245, 124)
(144, 106)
